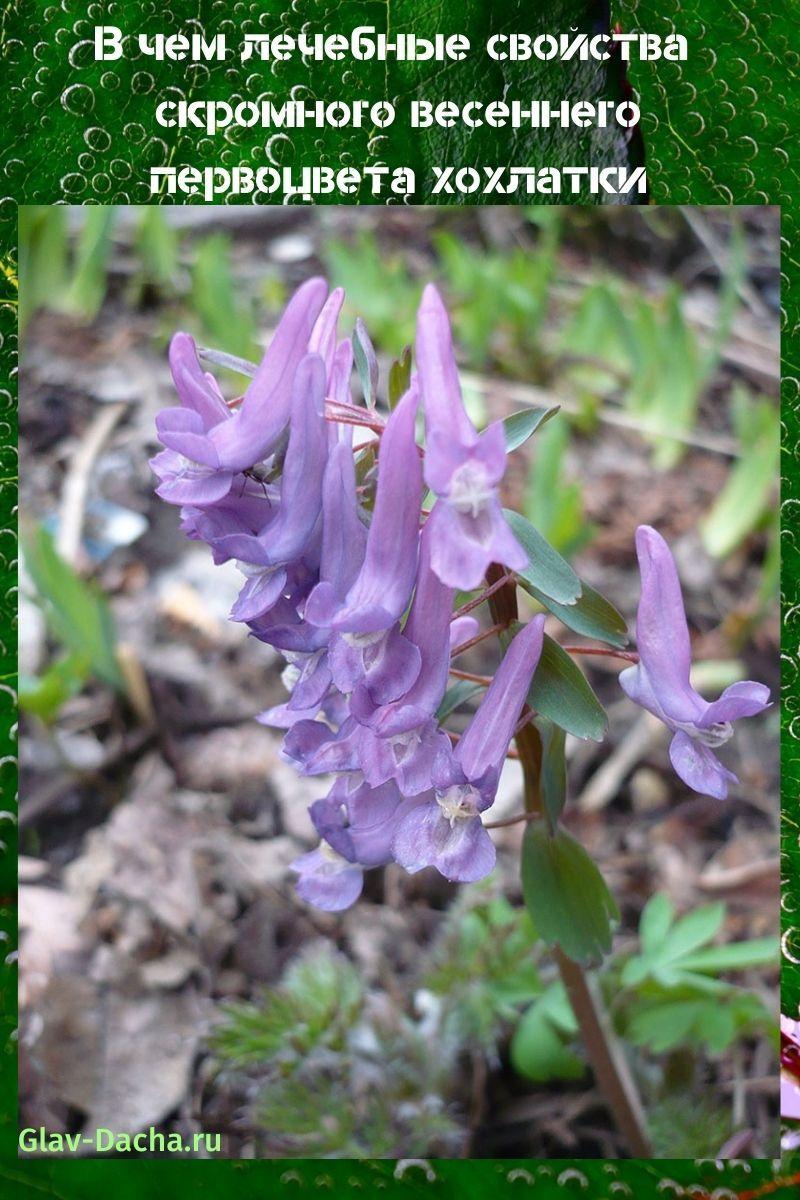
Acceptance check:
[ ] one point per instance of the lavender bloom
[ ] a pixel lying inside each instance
(427, 628)
(343, 542)
(660, 681)
(462, 467)
(367, 648)
(382, 589)
(327, 880)
(445, 830)
(357, 824)
(264, 558)
(408, 758)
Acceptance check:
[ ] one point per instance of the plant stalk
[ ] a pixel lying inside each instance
(605, 1053)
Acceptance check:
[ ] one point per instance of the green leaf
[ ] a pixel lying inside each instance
(78, 615)
(566, 895)
(546, 571)
(552, 501)
(45, 694)
(538, 1049)
(736, 956)
(559, 691)
(553, 772)
(691, 931)
(399, 377)
(158, 248)
(521, 425)
(88, 287)
(657, 916)
(366, 363)
(591, 615)
(675, 953)
(461, 691)
(747, 492)
(668, 1025)
(217, 300)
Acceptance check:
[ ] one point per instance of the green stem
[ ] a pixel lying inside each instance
(605, 1053)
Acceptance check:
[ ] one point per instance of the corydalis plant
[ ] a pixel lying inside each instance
(355, 583)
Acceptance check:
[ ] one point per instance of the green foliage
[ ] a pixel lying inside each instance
(89, 273)
(681, 1130)
(591, 614)
(482, 966)
(523, 424)
(553, 771)
(42, 257)
(366, 363)
(45, 694)
(315, 1005)
(561, 693)
(499, 298)
(377, 285)
(675, 952)
(456, 695)
(540, 1048)
(749, 490)
(51, 276)
(547, 572)
(335, 1077)
(78, 615)
(565, 894)
(157, 246)
(399, 377)
(225, 320)
(678, 999)
(553, 502)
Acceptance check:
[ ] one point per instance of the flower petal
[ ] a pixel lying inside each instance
(329, 884)
(744, 699)
(698, 766)
(484, 744)
(463, 852)
(661, 630)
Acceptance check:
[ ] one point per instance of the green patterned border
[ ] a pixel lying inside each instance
(717, 131)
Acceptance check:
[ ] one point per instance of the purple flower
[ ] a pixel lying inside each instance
(367, 648)
(206, 442)
(408, 758)
(427, 628)
(382, 588)
(660, 681)
(359, 821)
(327, 880)
(445, 830)
(265, 557)
(463, 468)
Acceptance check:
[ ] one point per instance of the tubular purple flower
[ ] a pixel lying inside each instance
(264, 412)
(327, 880)
(660, 681)
(382, 589)
(427, 628)
(359, 821)
(323, 336)
(462, 467)
(264, 557)
(445, 831)
(204, 431)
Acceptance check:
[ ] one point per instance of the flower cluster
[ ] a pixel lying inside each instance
(347, 575)
(360, 603)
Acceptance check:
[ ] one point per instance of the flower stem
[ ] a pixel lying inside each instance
(479, 637)
(484, 595)
(605, 1053)
(602, 652)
